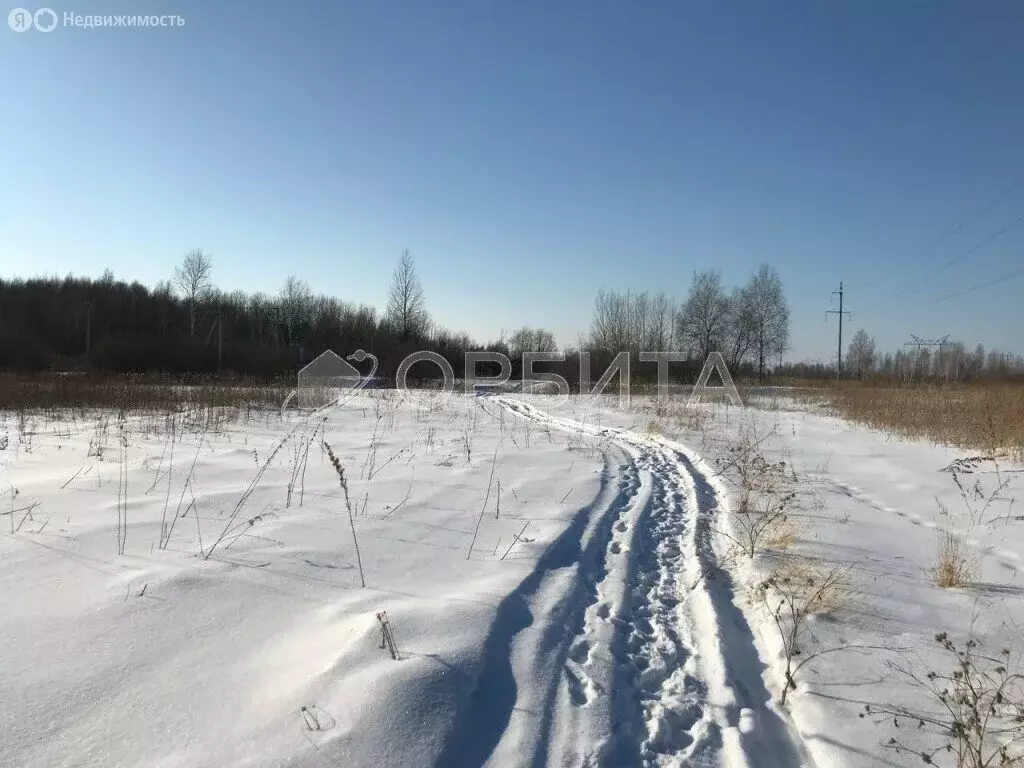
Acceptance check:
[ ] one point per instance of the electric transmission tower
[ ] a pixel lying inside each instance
(920, 343)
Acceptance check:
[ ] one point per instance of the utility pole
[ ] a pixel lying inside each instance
(840, 312)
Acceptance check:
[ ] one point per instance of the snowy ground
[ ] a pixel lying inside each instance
(555, 575)
(873, 507)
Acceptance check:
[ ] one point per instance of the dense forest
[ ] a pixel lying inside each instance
(188, 325)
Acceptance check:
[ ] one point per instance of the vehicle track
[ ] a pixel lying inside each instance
(662, 670)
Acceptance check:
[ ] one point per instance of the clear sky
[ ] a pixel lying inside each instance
(529, 153)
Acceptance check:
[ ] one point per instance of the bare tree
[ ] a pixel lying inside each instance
(192, 278)
(295, 308)
(630, 322)
(609, 329)
(923, 361)
(407, 309)
(862, 353)
(739, 328)
(704, 316)
(955, 361)
(531, 340)
(769, 315)
(661, 329)
(163, 296)
(977, 363)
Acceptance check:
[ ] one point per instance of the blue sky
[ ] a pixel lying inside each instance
(529, 153)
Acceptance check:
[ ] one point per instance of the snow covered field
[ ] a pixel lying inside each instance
(558, 579)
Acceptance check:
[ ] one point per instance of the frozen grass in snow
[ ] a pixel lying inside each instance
(875, 509)
(235, 619)
(559, 584)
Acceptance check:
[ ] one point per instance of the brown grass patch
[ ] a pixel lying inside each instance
(985, 416)
(954, 568)
(53, 392)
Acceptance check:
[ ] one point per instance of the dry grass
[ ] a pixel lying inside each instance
(954, 568)
(54, 392)
(767, 496)
(654, 428)
(792, 594)
(955, 562)
(781, 538)
(977, 715)
(984, 416)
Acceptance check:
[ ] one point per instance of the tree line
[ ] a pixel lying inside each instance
(748, 324)
(950, 361)
(186, 324)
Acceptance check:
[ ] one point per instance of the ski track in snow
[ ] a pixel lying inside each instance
(643, 670)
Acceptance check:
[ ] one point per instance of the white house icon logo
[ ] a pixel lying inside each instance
(329, 377)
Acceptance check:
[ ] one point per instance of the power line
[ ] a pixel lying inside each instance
(978, 287)
(975, 214)
(983, 243)
(957, 228)
(970, 251)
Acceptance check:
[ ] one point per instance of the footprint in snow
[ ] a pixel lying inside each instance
(580, 651)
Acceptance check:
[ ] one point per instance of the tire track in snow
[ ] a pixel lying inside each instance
(657, 692)
(508, 717)
(661, 675)
(583, 683)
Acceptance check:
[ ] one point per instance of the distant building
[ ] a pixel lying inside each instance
(323, 381)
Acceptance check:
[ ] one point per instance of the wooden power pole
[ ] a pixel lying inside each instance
(840, 312)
